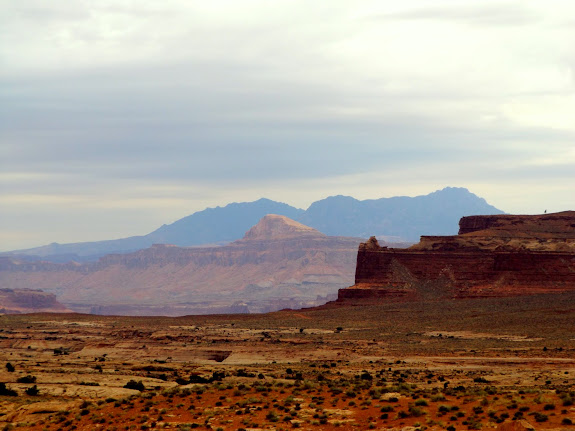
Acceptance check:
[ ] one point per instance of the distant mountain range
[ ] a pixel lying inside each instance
(396, 219)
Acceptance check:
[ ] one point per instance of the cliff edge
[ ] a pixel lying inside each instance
(496, 255)
(13, 301)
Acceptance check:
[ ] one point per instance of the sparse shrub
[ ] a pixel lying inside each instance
(366, 376)
(32, 391)
(7, 391)
(61, 351)
(416, 411)
(540, 417)
(9, 367)
(132, 384)
(89, 384)
(272, 416)
(27, 379)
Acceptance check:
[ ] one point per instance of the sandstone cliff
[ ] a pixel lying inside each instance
(500, 255)
(28, 301)
(279, 263)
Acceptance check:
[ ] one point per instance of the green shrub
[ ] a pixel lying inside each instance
(272, 416)
(416, 411)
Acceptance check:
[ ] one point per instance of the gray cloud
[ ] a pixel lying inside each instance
(144, 108)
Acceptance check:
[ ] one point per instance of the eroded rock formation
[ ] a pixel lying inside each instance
(28, 301)
(497, 255)
(278, 264)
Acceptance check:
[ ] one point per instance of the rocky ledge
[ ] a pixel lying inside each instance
(28, 301)
(501, 255)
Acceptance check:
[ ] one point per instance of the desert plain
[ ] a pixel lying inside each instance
(455, 364)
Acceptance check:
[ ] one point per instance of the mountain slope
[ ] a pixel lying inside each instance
(216, 225)
(210, 226)
(434, 214)
(394, 219)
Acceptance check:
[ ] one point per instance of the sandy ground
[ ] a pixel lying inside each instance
(360, 368)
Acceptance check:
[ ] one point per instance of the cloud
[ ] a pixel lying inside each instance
(490, 14)
(214, 102)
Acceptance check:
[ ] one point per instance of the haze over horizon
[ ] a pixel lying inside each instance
(119, 117)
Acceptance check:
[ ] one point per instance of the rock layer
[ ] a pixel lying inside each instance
(501, 255)
(280, 263)
(28, 301)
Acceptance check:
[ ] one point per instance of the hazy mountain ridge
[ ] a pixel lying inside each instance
(402, 218)
(218, 225)
(406, 217)
(279, 263)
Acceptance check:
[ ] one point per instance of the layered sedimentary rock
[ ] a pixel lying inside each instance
(278, 264)
(498, 255)
(28, 301)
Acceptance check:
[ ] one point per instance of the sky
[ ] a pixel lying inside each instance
(119, 116)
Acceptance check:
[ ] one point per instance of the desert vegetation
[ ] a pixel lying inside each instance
(454, 365)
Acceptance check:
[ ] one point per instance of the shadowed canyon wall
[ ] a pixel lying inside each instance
(501, 255)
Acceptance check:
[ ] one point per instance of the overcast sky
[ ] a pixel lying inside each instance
(119, 116)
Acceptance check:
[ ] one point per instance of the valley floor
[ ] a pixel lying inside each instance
(462, 364)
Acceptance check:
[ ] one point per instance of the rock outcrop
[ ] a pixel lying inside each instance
(278, 264)
(28, 301)
(497, 255)
(273, 227)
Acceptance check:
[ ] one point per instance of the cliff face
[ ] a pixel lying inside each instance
(556, 225)
(279, 263)
(28, 301)
(491, 256)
